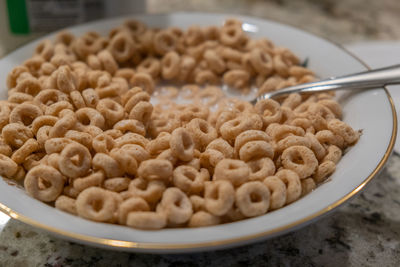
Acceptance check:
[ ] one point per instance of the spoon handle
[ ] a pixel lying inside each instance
(362, 80)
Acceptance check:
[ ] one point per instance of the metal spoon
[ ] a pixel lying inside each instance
(362, 80)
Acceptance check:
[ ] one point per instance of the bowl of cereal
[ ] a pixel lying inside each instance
(136, 133)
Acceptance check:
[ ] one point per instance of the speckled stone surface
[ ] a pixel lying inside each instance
(363, 232)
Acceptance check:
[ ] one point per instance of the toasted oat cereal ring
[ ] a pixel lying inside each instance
(64, 37)
(108, 61)
(202, 218)
(29, 85)
(70, 191)
(236, 78)
(117, 184)
(80, 137)
(225, 116)
(131, 205)
(214, 61)
(300, 159)
(252, 198)
(256, 150)
(328, 138)
(342, 129)
(219, 197)
(192, 111)
(189, 179)
(56, 145)
(187, 64)
(12, 76)
(164, 41)
(66, 204)
(198, 203)
(206, 77)
(142, 112)
(261, 61)
(292, 101)
(131, 98)
(307, 185)
(121, 46)
(111, 111)
(323, 111)
(75, 160)
(232, 128)
(8, 167)
(304, 123)
(44, 183)
(126, 159)
(137, 152)
(333, 106)
(159, 144)
(60, 128)
(5, 149)
(176, 205)
(91, 97)
(90, 116)
(30, 146)
(144, 81)
(155, 169)
(45, 120)
(193, 36)
(202, 132)
(150, 65)
(277, 189)
(4, 115)
(25, 113)
(280, 131)
(182, 144)
(107, 164)
(324, 170)
(316, 146)
(235, 171)
(333, 154)
(293, 184)
(260, 168)
(18, 98)
(168, 155)
(97, 204)
(149, 220)
(65, 79)
(56, 108)
(16, 134)
(131, 138)
(103, 143)
(210, 158)
(231, 35)
(170, 65)
(53, 160)
(292, 140)
(45, 49)
(269, 110)
(248, 136)
(222, 146)
(93, 179)
(151, 191)
(77, 99)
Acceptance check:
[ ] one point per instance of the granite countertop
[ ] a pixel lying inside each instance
(363, 232)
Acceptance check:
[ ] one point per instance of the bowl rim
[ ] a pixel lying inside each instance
(146, 246)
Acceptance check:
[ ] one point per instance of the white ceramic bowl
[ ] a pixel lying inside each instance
(371, 111)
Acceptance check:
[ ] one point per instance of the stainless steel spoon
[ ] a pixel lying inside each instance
(362, 80)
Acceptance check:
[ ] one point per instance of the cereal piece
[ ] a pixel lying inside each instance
(90, 116)
(148, 220)
(307, 185)
(328, 138)
(293, 184)
(117, 184)
(170, 65)
(131, 205)
(44, 183)
(131, 138)
(300, 159)
(197, 203)
(324, 170)
(236, 78)
(93, 179)
(61, 127)
(8, 167)
(202, 132)
(155, 169)
(103, 143)
(164, 41)
(30, 146)
(219, 197)
(189, 179)
(232, 128)
(121, 46)
(151, 191)
(252, 198)
(66, 204)
(342, 129)
(176, 205)
(75, 160)
(214, 61)
(202, 218)
(234, 171)
(16, 134)
(107, 164)
(278, 191)
(261, 61)
(161, 143)
(111, 111)
(260, 168)
(97, 204)
(231, 35)
(269, 110)
(25, 113)
(333, 154)
(182, 144)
